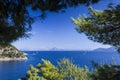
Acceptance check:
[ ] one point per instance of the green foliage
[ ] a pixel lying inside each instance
(71, 71)
(65, 70)
(57, 5)
(15, 19)
(106, 72)
(10, 51)
(101, 26)
(32, 74)
(48, 70)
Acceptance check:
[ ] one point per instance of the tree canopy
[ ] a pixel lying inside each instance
(15, 19)
(64, 70)
(101, 26)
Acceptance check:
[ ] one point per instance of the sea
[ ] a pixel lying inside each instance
(13, 70)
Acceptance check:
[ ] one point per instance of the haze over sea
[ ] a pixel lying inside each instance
(13, 70)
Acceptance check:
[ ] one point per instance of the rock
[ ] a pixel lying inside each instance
(9, 52)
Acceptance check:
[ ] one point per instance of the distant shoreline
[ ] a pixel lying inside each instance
(13, 59)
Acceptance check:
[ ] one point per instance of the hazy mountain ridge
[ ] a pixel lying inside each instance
(111, 49)
(56, 49)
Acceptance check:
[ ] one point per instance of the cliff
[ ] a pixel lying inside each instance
(10, 52)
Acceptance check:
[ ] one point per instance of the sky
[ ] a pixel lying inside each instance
(58, 32)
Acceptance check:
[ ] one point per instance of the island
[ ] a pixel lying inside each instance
(11, 53)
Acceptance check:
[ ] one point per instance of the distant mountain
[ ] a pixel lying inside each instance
(55, 49)
(111, 49)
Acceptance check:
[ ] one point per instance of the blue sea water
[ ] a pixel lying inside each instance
(13, 70)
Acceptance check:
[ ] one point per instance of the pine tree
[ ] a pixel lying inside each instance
(65, 70)
(15, 18)
(101, 26)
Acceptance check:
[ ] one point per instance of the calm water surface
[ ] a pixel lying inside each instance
(13, 70)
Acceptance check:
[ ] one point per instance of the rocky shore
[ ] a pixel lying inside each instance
(11, 53)
(13, 59)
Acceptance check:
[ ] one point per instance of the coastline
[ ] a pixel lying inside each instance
(13, 59)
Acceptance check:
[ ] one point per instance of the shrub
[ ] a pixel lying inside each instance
(106, 72)
(65, 70)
